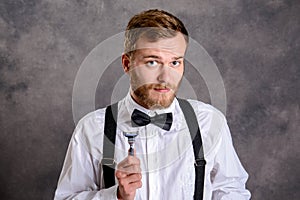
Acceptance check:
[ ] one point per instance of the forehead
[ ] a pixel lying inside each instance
(175, 46)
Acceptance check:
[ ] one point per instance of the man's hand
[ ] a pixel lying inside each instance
(129, 177)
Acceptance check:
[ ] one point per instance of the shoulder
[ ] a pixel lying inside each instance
(89, 132)
(204, 110)
(92, 119)
(212, 123)
(92, 124)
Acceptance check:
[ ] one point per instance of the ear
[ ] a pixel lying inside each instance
(126, 63)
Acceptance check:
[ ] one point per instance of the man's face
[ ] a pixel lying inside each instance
(155, 70)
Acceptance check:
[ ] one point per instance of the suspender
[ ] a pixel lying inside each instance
(110, 137)
(110, 127)
(200, 162)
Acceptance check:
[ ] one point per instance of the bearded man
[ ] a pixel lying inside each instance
(183, 148)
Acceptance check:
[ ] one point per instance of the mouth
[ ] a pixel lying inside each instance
(162, 90)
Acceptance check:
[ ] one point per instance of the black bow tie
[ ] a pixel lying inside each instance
(163, 121)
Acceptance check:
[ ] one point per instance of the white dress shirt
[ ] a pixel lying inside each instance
(167, 157)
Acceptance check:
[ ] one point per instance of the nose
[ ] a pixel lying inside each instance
(164, 74)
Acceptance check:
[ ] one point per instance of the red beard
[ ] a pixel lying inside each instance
(163, 100)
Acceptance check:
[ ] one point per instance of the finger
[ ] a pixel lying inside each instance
(134, 178)
(137, 184)
(132, 169)
(130, 180)
(131, 187)
(119, 174)
(123, 172)
(129, 160)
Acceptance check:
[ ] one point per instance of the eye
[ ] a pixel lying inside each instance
(176, 63)
(152, 63)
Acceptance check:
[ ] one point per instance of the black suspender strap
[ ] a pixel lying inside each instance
(110, 127)
(191, 120)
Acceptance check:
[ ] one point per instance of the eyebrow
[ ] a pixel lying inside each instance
(158, 57)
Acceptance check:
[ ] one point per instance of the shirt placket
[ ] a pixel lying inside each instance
(152, 161)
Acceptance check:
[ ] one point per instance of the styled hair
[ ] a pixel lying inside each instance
(154, 25)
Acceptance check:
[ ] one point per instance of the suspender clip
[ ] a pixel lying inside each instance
(200, 162)
(108, 161)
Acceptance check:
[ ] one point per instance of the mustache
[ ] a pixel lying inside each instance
(160, 86)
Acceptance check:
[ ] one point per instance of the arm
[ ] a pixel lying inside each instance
(80, 176)
(228, 176)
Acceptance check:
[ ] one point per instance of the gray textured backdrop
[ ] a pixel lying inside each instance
(255, 45)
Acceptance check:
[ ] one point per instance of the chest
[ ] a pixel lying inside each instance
(167, 163)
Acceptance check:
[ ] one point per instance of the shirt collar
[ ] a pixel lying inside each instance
(127, 106)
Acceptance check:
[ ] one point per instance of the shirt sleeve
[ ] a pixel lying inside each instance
(80, 178)
(228, 175)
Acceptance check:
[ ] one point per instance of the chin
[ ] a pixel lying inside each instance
(161, 102)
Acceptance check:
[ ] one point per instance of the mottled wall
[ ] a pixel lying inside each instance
(255, 45)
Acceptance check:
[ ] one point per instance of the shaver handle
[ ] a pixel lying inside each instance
(131, 143)
(131, 151)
